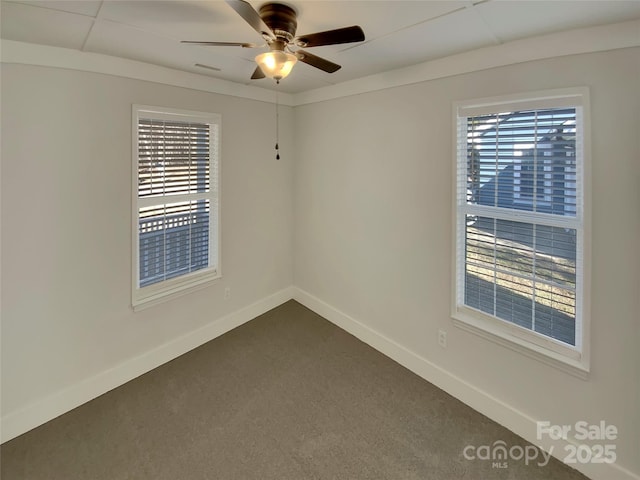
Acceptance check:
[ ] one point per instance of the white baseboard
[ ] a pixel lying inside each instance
(22, 420)
(481, 401)
(50, 407)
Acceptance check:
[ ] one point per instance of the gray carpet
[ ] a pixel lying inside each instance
(285, 396)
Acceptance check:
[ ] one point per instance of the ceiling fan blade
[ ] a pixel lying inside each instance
(247, 12)
(331, 37)
(222, 44)
(317, 62)
(257, 74)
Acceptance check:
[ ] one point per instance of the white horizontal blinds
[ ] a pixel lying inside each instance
(523, 273)
(524, 160)
(518, 174)
(174, 176)
(173, 157)
(173, 239)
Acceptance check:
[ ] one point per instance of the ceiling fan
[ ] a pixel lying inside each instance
(276, 23)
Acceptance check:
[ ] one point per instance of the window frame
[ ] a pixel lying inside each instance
(573, 360)
(147, 296)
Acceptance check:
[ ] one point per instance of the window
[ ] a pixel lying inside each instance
(520, 224)
(176, 201)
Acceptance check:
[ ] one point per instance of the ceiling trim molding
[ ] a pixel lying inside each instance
(48, 56)
(571, 42)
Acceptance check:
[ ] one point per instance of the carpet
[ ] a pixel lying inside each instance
(287, 395)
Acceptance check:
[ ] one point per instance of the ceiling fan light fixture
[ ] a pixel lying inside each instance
(276, 64)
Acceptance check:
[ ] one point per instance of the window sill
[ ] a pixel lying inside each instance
(163, 292)
(489, 331)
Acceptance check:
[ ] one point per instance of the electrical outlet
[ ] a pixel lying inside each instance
(442, 338)
(227, 292)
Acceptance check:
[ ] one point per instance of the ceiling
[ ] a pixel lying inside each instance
(398, 33)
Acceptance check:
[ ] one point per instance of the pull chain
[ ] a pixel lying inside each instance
(277, 128)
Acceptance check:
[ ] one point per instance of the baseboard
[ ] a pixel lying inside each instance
(21, 421)
(481, 401)
(50, 407)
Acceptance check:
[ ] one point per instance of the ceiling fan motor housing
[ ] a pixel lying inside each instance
(281, 19)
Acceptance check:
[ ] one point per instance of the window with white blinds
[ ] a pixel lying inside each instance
(520, 221)
(176, 201)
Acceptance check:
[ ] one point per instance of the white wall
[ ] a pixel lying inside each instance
(373, 234)
(66, 232)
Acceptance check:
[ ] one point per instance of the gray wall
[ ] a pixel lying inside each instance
(66, 225)
(373, 232)
(358, 213)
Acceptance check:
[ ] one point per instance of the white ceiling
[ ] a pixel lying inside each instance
(398, 33)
